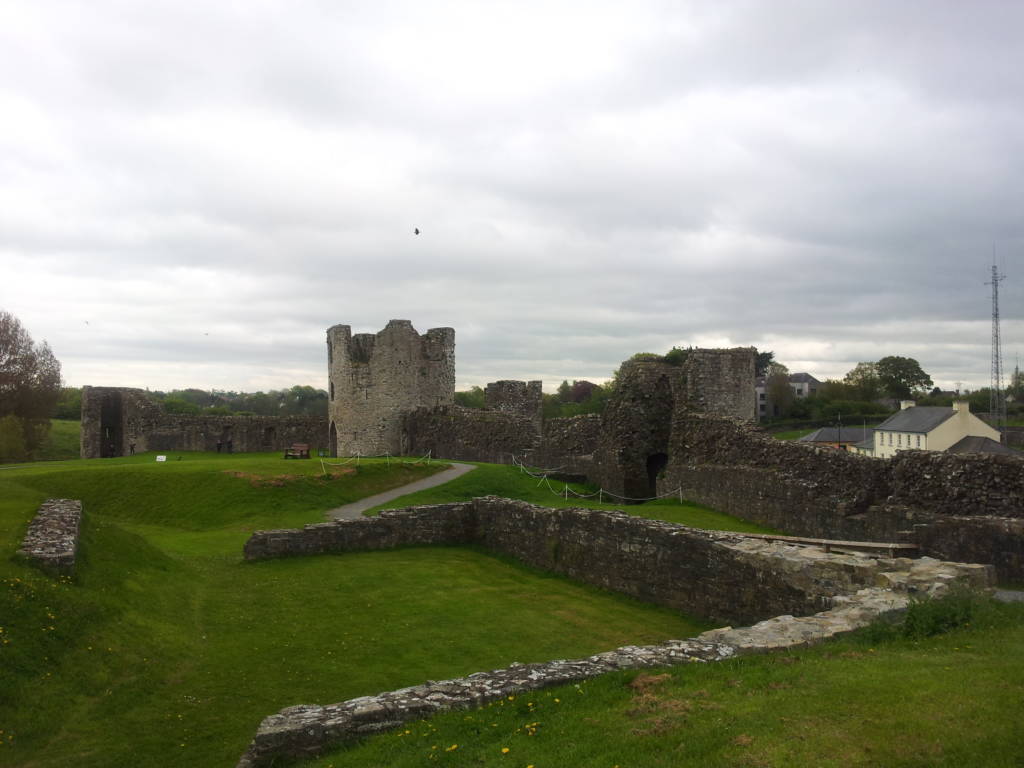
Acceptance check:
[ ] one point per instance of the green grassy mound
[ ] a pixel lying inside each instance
(166, 649)
(512, 483)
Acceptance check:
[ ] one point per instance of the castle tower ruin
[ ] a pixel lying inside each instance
(376, 378)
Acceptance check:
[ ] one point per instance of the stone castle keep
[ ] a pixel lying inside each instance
(375, 378)
(682, 429)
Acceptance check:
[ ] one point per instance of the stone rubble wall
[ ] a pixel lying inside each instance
(307, 730)
(959, 484)
(601, 548)
(717, 575)
(468, 434)
(449, 524)
(51, 541)
(568, 444)
(952, 506)
(115, 417)
(721, 381)
(522, 397)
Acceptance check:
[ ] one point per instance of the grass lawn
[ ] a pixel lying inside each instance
(792, 434)
(63, 442)
(166, 649)
(512, 483)
(950, 700)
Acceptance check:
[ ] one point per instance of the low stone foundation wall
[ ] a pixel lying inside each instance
(722, 576)
(699, 571)
(51, 541)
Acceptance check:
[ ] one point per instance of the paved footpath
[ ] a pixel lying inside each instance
(355, 510)
(1010, 595)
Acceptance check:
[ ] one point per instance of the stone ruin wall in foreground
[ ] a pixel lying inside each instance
(716, 575)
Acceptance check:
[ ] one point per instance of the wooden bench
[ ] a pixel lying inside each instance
(297, 451)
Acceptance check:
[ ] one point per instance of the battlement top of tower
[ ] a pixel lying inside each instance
(393, 325)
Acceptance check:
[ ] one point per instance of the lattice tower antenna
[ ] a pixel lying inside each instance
(997, 397)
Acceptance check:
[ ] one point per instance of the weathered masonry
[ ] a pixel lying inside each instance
(51, 541)
(964, 507)
(115, 418)
(393, 392)
(718, 575)
(373, 379)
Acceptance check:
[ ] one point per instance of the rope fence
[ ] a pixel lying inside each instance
(542, 475)
(425, 459)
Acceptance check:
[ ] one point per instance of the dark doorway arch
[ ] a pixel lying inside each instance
(656, 464)
(334, 441)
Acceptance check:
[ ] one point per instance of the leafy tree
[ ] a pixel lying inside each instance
(12, 439)
(901, 377)
(1016, 388)
(863, 382)
(780, 394)
(564, 392)
(676, 356)
(29, 380)
(471, 398)
(179, 405)
(581, 390)
(763, 361)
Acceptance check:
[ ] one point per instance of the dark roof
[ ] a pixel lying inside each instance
(973, 444)
(918, 418)
(833, 435)
(802, 378)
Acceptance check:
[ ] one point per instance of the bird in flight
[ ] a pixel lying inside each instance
(416, 231)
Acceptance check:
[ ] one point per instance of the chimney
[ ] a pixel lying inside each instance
(961, 406)
(904, 404)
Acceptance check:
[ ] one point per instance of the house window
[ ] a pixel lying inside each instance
(890, 438)
(899, 440)
(799, 391)
(918, 441)
(762, 395)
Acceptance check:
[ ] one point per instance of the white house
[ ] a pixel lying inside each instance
(802, 384)
(927, 428)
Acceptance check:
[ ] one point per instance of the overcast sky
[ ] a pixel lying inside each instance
(192, 192)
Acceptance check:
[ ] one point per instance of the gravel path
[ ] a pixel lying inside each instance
(355, 510)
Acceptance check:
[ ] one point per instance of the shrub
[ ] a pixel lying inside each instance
(12, 440)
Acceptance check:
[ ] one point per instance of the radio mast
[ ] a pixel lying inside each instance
(997, 397)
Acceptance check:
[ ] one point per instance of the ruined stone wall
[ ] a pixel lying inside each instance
(51, 541)
(115, 417)
(958, 484)
(521, 397)
(920, 497)
(721, 381)
(568, 444)
(638, 422)
(636, 427)
(468, 434)
(374, 379)
(706, 573)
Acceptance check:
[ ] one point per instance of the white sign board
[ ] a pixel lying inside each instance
(161, 458)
